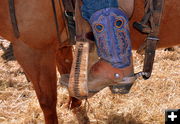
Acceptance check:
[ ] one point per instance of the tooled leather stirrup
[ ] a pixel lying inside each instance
(153, 13)
(79, 76)
(79, 71)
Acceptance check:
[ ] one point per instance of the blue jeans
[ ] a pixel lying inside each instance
(91, 6)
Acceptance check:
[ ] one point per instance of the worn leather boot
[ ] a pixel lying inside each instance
(103, 74)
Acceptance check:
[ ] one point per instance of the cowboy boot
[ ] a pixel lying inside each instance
(103, 74)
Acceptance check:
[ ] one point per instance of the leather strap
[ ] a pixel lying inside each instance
(69, 5)
(149, 57)
(13, 18)
(56, 20)
(150, 24)
(156, 10)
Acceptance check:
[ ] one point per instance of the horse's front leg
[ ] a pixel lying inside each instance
(40, 67)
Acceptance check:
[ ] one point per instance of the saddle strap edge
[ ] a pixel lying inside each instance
(13, 18)
(56, 19)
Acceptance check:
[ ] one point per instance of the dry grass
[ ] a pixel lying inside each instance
(145, 104)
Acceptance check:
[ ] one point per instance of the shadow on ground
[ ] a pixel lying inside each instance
(122, 119)
(8, 54)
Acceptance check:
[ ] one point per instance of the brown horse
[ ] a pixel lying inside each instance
(39, 51)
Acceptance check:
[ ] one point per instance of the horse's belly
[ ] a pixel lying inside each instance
(35, 20)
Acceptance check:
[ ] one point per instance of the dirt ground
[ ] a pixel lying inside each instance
(145, 104)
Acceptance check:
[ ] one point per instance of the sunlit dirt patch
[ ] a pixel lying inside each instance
(145, 104)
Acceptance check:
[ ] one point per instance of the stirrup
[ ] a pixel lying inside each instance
(124, 86)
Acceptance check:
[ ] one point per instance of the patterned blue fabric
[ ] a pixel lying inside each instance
(91, 6)
(111, 31)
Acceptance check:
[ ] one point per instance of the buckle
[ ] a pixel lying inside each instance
(68, 14)
(152, 38)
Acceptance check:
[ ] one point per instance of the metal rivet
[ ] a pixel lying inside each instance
(116, 75)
